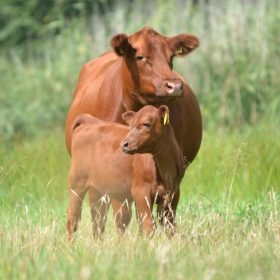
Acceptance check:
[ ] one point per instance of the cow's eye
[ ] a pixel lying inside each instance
(139, 57)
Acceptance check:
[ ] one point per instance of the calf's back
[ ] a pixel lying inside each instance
(98, 161)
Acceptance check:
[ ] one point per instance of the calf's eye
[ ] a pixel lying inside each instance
(147, 124)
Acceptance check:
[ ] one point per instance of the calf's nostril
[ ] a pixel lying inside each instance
(125, 144)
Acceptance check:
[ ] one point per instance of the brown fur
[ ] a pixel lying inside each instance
(99, 164)
(138, 71)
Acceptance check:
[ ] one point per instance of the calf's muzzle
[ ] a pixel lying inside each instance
(125, 147)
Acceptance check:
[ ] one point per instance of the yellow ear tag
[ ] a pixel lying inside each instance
(179, 50)
(121, 51)
(166, 118)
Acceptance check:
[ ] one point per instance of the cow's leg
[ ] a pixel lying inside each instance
(122, 213)
(174, 203)
(98, 208)
(144, 207)
(74, 209)
(166, 212)
(161, 210)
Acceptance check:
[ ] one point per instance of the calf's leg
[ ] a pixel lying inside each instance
(122, 213)
(98, 207)
(74, 210)
(144, 207)
(166, 212)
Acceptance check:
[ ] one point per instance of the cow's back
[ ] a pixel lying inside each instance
(98, 91)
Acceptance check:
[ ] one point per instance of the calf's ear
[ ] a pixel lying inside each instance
(121, 45)
(127, 116)
(183, 44)
(164, 114)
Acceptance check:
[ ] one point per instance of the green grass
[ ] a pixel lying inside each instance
(240, 241)
(228, 216)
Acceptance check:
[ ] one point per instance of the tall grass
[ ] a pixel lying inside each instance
(206, 246)
(227, 222)
(228, 218)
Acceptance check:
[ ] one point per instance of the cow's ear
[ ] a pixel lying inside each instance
(164, 114)
(183, 44)
(127, 116)
(120, 44)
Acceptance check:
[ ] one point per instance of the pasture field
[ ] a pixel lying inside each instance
(229, 213)
(228, 218)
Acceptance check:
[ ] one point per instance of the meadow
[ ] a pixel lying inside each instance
(229, 212)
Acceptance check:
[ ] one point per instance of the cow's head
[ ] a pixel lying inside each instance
(147, 127)
(149, 57)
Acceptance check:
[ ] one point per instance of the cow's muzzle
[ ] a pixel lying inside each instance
(174, 87)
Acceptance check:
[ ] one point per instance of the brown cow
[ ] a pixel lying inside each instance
(139, 72)
(99, 164)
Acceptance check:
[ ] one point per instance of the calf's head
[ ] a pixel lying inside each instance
(147, 128)
(149, 59)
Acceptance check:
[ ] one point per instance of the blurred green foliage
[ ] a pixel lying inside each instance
(234, 72)
(26, 20)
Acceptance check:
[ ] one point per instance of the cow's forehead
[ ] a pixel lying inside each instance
(147, 40)
(146, 31)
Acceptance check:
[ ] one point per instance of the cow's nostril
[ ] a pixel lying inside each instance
(170, 86)
(174, 87)
(179, 85)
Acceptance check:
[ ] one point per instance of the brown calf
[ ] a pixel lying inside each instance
(151, 176)
(151, 133)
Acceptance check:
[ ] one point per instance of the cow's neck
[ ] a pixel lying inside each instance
(169, 160)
